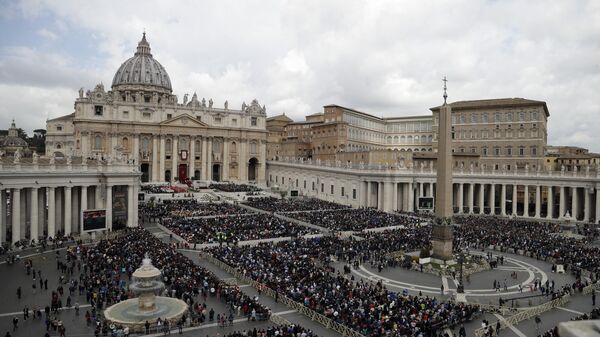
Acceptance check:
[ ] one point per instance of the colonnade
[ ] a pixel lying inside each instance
(32, 213)
(522, 200)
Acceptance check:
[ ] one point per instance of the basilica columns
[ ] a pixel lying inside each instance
(225, 160)
(192, 157)
(209, 168)
(574, 203)
(204, 169)
(161, 170)
(174, 155)
(597, 204)
(460, 198)
(411, 197)
(155, 155)
(481, 198)
(84, 204)
(538, 201)
(130, 206)
(492, 201)
(3, 213)
(586, 205)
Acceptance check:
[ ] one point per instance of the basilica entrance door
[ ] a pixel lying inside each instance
(182, 172)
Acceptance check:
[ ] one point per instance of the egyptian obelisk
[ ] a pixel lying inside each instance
(442, 232)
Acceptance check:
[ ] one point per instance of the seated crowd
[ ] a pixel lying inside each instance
(274, 331)
(272, 204)
(541, 239)
(232, 187)
(290, 269)
(232, 229)
(187, 208)
(106, 268)
(355, 219)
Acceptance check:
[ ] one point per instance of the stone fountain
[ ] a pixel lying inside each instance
(146, 285)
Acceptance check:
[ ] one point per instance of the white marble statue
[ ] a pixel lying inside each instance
(210, 103)
(35, 157)
(17, 156)
(185, 99)
(226, 105)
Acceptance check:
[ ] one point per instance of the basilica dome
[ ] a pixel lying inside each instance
(142, 70)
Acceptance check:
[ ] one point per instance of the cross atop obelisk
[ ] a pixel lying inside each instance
(445, 89)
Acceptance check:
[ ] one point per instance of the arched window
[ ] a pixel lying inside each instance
(395, 139)
(417, 139)
(233, 147)
(403, 140)
(198, 146)
(410, 139)
(98, 142)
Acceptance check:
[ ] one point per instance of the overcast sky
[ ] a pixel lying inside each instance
(386, 58)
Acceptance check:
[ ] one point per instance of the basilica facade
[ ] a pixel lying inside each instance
(140, 119)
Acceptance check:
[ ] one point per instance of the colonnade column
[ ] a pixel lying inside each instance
(192, 157)
(161, 169)
(492, 197)
(503, 200)
(395, 196)
(550, 204)
(368, 194)
(460, 197)
(586, 205)
(174, 154)
(431, 194)
(67, 214)
(51, 211)
(15, 200)
(471, 196)
(388, 199)
(597, 204)
(411, 198)
(538, 201)
(526, 201)
(421, 190)
(3, 213)
(155, 168)
(109, 207)
(380, 196)
(561, 205)
(481, 200)
(514, 200)
(574, 203)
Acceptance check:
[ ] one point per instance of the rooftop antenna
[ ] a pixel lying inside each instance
(445, 89)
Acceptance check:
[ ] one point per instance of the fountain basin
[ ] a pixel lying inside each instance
(127, 313)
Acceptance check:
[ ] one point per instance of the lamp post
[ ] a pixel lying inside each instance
(461, 287)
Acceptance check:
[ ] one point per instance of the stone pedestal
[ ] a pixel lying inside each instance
(441, 241)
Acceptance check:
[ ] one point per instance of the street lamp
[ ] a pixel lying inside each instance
(461, 286)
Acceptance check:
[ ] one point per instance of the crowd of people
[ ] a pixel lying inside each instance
(298, 270)
(293, 330)
(232, 187)
(186, 208)
(541, 239)
(232, 229)
(355, 219)
(108, 266)
(272, 204)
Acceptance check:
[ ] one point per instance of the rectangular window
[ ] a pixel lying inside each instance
(305, 184)
(217, 120)
(343, 191)
(169, 116)
(484, 151)
(496, 151)
(509, 151)
(98, 110)
(521, 151)
(146, 115)
(253, 121)
(313, 186)
(126, 114)
(354, 193)
(234, 121)
(322, 188)
(534, 151)
(199, 118)
(58, 128)
(331, 190)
